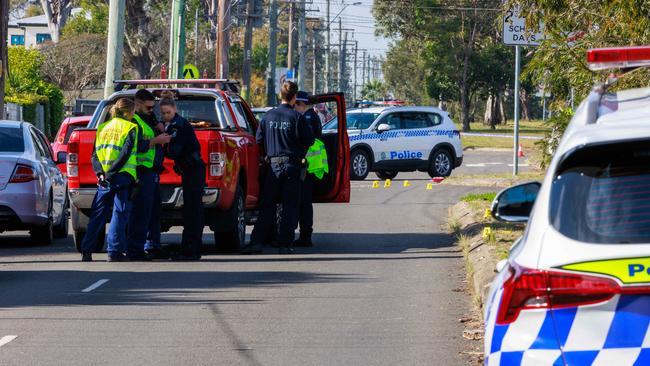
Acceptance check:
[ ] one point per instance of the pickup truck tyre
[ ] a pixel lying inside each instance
(386, 174)
(440, 164)
(234, 239)
(360, 165)
(44, 235)
(79, 234)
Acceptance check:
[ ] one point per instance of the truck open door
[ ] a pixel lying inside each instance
(335, 185)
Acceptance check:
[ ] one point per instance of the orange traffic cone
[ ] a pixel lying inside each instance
(520, 152)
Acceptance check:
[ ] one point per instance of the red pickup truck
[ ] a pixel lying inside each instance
(225, 128)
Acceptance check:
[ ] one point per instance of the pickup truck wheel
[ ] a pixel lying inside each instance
(386, 174)
(234, 239)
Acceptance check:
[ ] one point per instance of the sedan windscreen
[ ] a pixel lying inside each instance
(11, 139)
(601, 194)
(354, 121)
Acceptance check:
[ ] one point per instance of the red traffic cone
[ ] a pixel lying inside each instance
(520, 152)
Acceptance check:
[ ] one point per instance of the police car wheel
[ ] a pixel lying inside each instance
(386, 174)
(360, 165)
(440, 164)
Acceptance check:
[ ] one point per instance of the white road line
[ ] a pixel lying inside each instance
(519, 165)
(6, 339)
(95, 285)
(481, 165)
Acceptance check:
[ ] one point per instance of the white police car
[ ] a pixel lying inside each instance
(575, 289)
(388, 140)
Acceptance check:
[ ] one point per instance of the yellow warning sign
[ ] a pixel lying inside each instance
(190, 72)
(375, 184)
(387, 183)
(407, 183)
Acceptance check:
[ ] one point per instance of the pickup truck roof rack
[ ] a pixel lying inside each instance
(221, 84)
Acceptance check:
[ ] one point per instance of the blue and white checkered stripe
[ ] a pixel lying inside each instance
(616, 332)
(403, 133)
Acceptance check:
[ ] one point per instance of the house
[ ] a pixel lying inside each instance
(32, 31)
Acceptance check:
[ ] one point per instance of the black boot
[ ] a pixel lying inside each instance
(86, 257)
(251, 248)
(303, 241)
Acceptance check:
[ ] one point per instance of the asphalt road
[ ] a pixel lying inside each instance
(380, 287)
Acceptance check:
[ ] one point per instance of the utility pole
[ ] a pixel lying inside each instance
(115, 45)
(339, 68)
(271, 98)
(343, 62)
(363, 70)
(223, 39)
(327, 51)
(4, 24)
(354, 77)
(196, 37)
(302, 45)
(291, 45)
(314, 78)
(177, 40)
(248, 46)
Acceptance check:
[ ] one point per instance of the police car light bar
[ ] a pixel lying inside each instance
(618, 57)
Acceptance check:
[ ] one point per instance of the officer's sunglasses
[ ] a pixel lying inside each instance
(150, 107)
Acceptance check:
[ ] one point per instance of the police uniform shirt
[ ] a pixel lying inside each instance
(314, 122)
(284, 132)
(143, 145)
(185, 146)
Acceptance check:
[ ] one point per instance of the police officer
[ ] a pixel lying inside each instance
(185, 150)
(285, 137)
(144, 222)
(114, 161)
(306, 215)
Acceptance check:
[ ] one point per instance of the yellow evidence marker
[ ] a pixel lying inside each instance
(375, 184)
(407, 183)
(488, 213)
(429, 186)
(387, 183)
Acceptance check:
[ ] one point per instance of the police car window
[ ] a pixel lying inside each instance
(435, 119)
(240, 114)
(393, 120)
(601, 194)
(414, 120)
(360, 121)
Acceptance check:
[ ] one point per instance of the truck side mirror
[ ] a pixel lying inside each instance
(514, 204)
(61, 157)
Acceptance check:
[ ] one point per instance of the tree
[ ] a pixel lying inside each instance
(57, 13)
(147, 39)
(93, 19)
(403, 71)
(61, 64)
(373, 90)
(452, 35)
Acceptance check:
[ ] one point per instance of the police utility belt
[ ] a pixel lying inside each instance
(186, 163)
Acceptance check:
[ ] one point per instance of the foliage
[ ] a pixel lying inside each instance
(80, 23)
(61, 64)
(403, 71)
(489, 196)
(25, 85)
(373, 90)
(558, 122)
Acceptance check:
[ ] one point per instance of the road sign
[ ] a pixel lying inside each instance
(515, 31)
(190, 72)
(290, 75)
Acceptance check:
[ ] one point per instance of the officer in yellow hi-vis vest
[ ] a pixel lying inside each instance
(115, 162)
(316, 167)
(144, 222)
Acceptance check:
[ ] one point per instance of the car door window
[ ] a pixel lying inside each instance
(392, 120)
(241, 117)
(415, 120)
(40, 152)
(44, 144)
(435, 118)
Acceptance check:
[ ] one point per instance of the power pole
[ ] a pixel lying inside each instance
(4, 24)
(248, 46)
(327, 52)
(271, 98)
(343, 62)
(302, 45)
(314, 78)
(354, 77)
(223, 39)
(115, 45)
(196, 37)
(339, 69)
(292, 41)
(363, 70)
(177, 40)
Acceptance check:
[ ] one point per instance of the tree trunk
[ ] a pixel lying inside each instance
(525, 104)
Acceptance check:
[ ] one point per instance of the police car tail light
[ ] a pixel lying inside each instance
(538, 289)
(217, 159)
(73, 157)
(618, 57)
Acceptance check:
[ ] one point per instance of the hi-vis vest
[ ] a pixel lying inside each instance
(145, 159)
(317, 159)
(110, 141)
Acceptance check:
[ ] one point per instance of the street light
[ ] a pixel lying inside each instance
(327, 52)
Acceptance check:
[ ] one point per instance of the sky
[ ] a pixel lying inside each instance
(357, 17)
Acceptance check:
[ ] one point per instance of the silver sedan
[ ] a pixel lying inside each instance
(33, 192)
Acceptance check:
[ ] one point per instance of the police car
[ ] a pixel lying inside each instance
(388, 140)
(575, 289)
